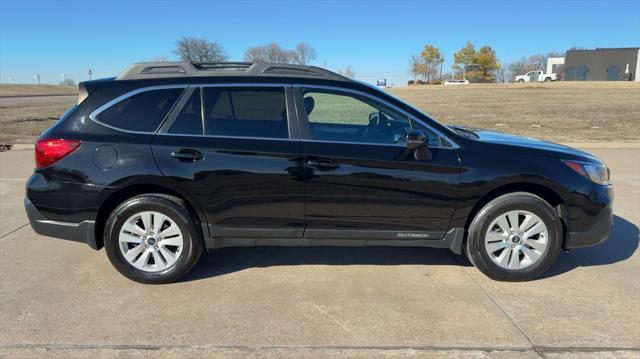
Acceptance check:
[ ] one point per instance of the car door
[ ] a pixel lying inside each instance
(232, 149)
(360, 180)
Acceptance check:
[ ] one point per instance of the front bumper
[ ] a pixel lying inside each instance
(598, 233)
(78, 232)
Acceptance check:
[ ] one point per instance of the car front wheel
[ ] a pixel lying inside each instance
(152, 239)
(515, 237)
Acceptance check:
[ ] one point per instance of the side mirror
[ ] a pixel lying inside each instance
(416, 139)
(417, 142)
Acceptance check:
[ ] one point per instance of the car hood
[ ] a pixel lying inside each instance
(530, 143)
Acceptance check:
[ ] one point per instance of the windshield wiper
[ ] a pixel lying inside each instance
(465, 132)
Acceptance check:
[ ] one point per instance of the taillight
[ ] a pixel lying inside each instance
(49, 151)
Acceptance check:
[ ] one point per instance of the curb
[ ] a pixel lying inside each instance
(21, 147)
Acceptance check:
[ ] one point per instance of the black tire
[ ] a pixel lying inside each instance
(521, 81)
(548, 79)
(170, 206)
(475, 247)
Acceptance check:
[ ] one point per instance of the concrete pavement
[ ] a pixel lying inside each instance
(65, 300)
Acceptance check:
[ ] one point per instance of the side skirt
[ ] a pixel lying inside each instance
(452, 240)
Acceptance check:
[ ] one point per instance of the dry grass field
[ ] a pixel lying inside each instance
(559, 112)
(32, 90)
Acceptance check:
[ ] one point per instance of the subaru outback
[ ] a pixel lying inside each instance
(170, 159)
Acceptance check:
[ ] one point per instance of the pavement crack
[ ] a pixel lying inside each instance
(15, 230)
(331, 316)
(504, 312)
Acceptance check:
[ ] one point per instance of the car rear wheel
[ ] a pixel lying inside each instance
(521, 81)
(515, 237)
(152, 239)
(548, 79)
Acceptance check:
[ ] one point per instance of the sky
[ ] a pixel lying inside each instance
(376, 38)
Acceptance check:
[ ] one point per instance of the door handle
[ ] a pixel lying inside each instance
(188, 154)
(323, 165)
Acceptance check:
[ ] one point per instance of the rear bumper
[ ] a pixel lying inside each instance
(598, 233)
(78, 232)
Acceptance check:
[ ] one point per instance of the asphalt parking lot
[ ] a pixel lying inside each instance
(65, 300)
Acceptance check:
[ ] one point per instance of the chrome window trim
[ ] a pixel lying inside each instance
(93, 115)
(230, 137)
(363, 143)
(454, 145)
(241, 84)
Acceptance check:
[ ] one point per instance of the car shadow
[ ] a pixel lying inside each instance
(622, 243)
(229, 260)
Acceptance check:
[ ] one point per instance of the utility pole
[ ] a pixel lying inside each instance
(63, 76)
(90, 73)
(441, 62)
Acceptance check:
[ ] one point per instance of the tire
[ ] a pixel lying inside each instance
(523, 267)
(166, 258)
(548, 79)
(520, 81)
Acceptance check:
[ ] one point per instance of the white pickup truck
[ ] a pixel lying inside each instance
(536, 76)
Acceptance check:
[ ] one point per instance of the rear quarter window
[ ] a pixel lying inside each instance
(141, 112)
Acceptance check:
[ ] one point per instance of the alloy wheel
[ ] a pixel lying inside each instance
(516, 239)
(150, 241)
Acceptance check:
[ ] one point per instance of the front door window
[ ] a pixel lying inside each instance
(345, 118)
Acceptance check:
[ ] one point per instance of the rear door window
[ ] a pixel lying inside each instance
(141, 112)
(245, 112)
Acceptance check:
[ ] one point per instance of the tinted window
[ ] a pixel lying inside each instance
(582, 73)
(570, 73)
(345, 118)
(189, 120)
(246, 112)
(140, 112)
(612, 73)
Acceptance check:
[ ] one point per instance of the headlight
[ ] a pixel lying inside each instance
(594, 172)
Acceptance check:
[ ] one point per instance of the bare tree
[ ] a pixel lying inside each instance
(68, 82)
(254, 54)
(502, 74)
(199, 50)
(304, 53)
(347, 72)
(417, 67)
(272, 52)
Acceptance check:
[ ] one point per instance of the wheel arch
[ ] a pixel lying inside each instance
(542, 191)
(124, 193)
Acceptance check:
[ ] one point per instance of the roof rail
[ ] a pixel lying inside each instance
(239, 66)
(149, 70)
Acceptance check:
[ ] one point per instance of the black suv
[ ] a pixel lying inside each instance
(172, 158)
